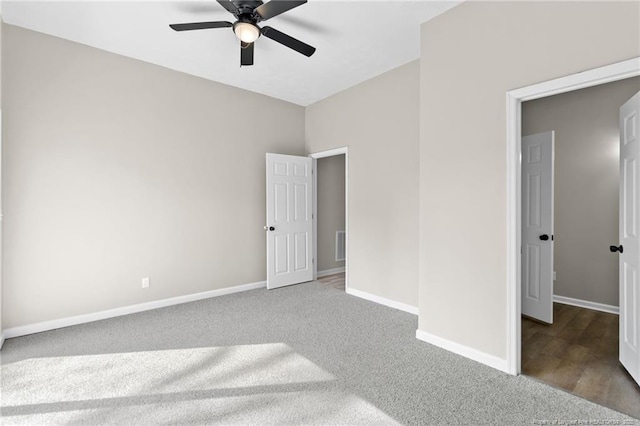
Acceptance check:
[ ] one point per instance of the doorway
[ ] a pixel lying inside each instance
(575, 348)
(331, 217)
(514, 98)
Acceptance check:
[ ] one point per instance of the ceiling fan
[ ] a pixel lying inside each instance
(248, 14)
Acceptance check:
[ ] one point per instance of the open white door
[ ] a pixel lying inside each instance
(629, 248)
(289, 220)
(537, 226)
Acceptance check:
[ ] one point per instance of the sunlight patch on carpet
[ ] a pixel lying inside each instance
(86, 377)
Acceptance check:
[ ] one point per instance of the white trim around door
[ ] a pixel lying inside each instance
(315, 156)
(614, 72)
(2, 336)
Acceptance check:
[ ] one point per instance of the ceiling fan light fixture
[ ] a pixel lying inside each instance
(247, 14)
(246, 31)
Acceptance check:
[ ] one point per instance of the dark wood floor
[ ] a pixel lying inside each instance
(336, 281)
(579, 353)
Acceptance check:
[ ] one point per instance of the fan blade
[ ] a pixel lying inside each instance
(200, 25)
(288, 41)
(246, 53)
(231, 8)
(276, 7)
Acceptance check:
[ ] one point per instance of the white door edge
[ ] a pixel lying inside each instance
(629, 239)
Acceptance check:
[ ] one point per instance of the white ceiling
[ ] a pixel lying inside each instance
(355, 40)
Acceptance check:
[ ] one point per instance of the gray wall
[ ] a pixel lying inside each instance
(378, 121)
(331, 209)
(471, 56)
(587, 175)
(117, 169)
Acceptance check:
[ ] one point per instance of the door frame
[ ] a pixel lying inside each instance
(1, 227)
(594, 77)
(315, 157)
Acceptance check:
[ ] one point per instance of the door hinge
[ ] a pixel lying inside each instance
(313, 261)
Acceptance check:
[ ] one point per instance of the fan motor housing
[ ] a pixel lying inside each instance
(246, 7)
(248, 18)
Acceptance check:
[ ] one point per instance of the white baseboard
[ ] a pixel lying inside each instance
(383, 301)
(465, 351)
(330, 272)
(125, 310)
(586, 304)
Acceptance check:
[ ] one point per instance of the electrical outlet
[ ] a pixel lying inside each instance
(145, 282)
(554, 275)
